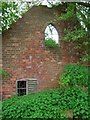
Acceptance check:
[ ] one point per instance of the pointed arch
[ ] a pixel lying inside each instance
(51, 32)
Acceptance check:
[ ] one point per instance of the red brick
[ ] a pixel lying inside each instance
(25, 38)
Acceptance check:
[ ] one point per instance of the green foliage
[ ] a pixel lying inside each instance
(11, 12)
(75, 35)
(70, 12)
(53, 103)
(74, 74)
(83, 14)
(78, 12)
(50, 43)
(4, 74)
(85, 57)
(0, 110)
(80, 36)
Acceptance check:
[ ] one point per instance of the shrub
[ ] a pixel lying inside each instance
(53, 103)
(50, 43)
(0, 109)
(74, 74)
(4, 74)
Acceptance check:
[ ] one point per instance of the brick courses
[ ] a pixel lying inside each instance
(25, 56)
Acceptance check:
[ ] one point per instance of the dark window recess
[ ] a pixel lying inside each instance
(26, 86)
(21, 92)
(21, 84)
(21, 87)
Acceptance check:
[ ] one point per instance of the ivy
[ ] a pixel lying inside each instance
(85, 56)
(79, 33)
(50, 43)
(69, 12)
(53, 103)
(80, 36)
(68, 101)
(74, 75)
(11, 12)
(4, 74)
(75, 35)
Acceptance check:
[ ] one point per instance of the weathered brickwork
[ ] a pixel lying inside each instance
(24, 53)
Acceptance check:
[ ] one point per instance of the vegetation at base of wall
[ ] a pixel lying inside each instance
(53, 103)
(0, 110)
(74, 74)
(50, 43)
(4, 74)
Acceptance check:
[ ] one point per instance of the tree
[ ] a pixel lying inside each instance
(11, 11)
(81, 13)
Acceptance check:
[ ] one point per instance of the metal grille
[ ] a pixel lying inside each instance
(32, 85)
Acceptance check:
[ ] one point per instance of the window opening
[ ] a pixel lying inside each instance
(51, 33)
(21, 87)
(26, 86)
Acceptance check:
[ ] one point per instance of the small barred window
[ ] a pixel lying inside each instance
(25, 86)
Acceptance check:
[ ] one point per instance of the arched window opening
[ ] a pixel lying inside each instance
(51, 36)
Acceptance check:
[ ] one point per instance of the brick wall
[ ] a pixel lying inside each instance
(24, 53)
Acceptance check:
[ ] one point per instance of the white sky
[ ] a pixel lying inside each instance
(54, 35)
(44, 1)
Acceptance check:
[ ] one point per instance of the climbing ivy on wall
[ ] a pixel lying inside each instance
(74, 75)
(4, 74)
(79, 11)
